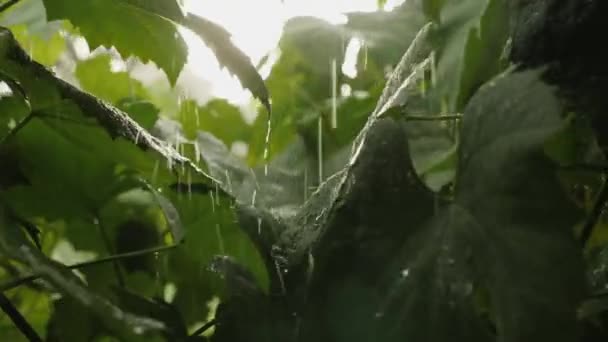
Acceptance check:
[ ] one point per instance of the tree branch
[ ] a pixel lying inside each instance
(20, 322)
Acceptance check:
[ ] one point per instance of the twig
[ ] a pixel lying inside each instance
(26, 279)
(108, 244)
(17, 128)
(446, 117)
(204, 328)
(8, 5)
(586, 167)
(66, 119)
(18, 319)
(596, 213)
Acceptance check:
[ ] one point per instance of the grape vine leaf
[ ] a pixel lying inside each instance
(229, 56)
(96, 77)
(132, 30)
(488, 240)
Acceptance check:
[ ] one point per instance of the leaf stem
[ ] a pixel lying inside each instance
(20, 322)
(596, 213)
(8, 5)
(31, 277)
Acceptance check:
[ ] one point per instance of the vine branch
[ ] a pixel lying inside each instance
(20, 322)
(446, 117)
(596, 213)
(8, 5)
(17, 128)
(31, 277)
(204, 328)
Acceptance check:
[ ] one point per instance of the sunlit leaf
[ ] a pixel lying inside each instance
(142, 32)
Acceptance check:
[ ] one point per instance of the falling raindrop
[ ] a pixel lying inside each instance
(259, 226)
(228, 181)
(197, 153)
(305, 183)
(212, 202)
(220, 240)
(157, 280)
(255, 193)
(280, 276)
(170, 163)
(320, 148)
(217, 194)
(189, 180)
(155, 172)
(334, 94)
(365, 51)
(137, 137)
(267, 145)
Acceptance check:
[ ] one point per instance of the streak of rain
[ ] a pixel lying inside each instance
(334, 94)
(320, 148)
(220, 239)
(267, 144)
(155, 172)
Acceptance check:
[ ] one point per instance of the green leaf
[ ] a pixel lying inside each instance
(432, 9)
(497, 235)
(484, 47)
(218, 117)
(46, 51)
(169, 9)
(469, 43)
(143, 112)
(95, 76)
(229, 56)
(132, 30)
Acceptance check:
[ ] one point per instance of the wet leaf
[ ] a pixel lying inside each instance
(142, 32)
(229, 56)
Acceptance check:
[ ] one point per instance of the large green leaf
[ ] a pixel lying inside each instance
(229, 56)
(45, 92)
(45, 50)
(503, 234)
(132, 30)
(462, 63)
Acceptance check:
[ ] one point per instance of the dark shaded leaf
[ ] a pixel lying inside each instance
(229, 56)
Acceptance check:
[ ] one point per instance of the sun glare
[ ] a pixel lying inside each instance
(256, 27)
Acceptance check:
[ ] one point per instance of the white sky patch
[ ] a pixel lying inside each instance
(349, 67)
